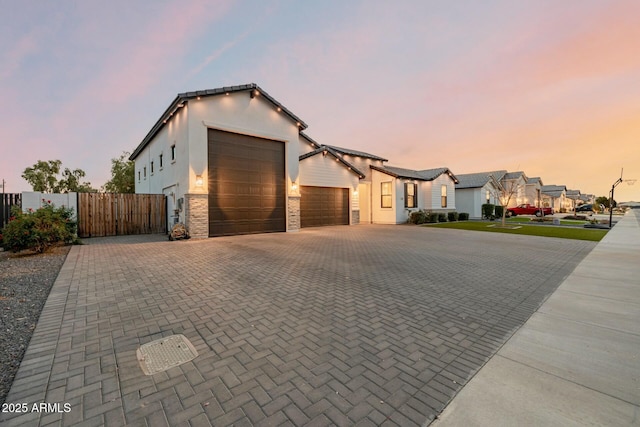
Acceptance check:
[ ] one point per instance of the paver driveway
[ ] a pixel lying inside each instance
(367, 325)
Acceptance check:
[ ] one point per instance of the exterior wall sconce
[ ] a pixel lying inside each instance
(199, 181)
(355, 193)
(294, 186)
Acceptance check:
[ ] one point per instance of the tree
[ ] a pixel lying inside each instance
(603, 200)
(122, 175)
(503, 192)
(43, 177)
(71, 182)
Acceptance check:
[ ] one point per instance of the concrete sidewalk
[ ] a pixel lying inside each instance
(576, 361)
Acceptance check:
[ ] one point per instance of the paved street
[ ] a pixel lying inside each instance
(361, 325)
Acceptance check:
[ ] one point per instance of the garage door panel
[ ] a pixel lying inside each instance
(322, 206)
(247, 184)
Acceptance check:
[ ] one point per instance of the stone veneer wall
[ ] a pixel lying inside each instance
(293, 214)
(196, 215)
(355, 217)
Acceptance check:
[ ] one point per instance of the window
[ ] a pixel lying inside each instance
(385, 191)
(410, 195)
(488, 197)
(160, 160)
(152, 167)
(138, 175)
(144, 174)
(173, 152)
(443, 196)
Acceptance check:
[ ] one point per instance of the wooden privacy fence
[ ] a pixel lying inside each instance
(112, 214)
(7, 200)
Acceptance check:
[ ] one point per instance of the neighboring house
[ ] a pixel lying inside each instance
(533, 191)
(587, 198)
(228, 160)
(554, 196)
(396, 192)
(573, 199)
(475, 189)
(514, 185)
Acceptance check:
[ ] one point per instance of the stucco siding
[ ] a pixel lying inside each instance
(468, 200)
(433, 193)
(362, 164)
(379, 214)
(172, 172)
(324, 171)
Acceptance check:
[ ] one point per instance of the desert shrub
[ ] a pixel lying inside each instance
(442, 217)
(487, 210)
(452, 216)
(418, 217)
(432, 217)
(499, 211)
(463, 216)
(38, 230)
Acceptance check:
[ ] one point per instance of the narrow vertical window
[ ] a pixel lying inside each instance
(443, 196)
(160, 160)
(144, 173)
(152, 167)
(410, 198)
(138, 175)
(385, 192)
(488, 197)
(173, 152)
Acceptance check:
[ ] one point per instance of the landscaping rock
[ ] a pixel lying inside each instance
(25, 281)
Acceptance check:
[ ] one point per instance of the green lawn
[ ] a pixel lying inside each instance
(524, 219)
(531, 230)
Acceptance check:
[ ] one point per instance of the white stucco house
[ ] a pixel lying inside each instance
(396, 192)
(573, 199)
(533, 191)
(554, 196)
(476, 189)
(514, 185)
(234, 160)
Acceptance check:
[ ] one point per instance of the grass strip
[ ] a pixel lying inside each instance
(529, 230)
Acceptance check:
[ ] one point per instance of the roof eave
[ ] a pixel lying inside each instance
(181, 98)
(324, 148)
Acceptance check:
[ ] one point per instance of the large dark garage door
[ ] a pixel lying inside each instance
(323, 206)
(246, 184)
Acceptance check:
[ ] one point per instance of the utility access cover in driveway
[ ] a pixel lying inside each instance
(160, 355)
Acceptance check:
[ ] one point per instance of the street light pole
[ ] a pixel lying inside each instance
(613, 187)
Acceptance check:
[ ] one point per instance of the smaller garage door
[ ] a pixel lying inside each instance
(320, 206)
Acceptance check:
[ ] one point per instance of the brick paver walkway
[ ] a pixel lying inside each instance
(361, 325)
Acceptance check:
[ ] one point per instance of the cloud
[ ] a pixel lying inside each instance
(216, 54)
(13, 59)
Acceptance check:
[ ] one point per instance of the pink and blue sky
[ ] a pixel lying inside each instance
(551, 88)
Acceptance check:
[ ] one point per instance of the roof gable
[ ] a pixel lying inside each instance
(324, 150)
(183, 98)
(478, 180)
(351, 152)
(423, 175)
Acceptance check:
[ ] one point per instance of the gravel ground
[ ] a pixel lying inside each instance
(25, 281)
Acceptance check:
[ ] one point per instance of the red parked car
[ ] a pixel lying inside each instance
(527, 209)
